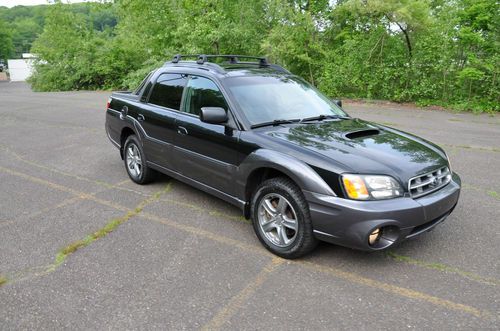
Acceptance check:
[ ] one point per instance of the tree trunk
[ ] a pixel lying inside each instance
(407, 39)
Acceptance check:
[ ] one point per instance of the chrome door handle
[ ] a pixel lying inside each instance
(140, 118)
(182, 130)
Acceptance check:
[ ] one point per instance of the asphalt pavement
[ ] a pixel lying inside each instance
(82, 247)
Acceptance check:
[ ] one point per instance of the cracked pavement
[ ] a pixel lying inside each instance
(167, 256)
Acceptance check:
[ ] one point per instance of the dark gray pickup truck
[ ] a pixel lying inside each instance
(302, 169)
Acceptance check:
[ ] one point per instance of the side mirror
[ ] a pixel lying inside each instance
(213, 115)
(338, 102)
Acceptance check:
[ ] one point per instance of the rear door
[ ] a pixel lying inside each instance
(205, 152)
(157, 118)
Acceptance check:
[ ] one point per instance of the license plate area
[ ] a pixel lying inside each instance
(438, 204)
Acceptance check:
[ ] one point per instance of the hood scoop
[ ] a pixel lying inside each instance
(362, 133)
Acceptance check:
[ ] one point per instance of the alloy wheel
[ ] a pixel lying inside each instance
(277, 220)
(134, 161)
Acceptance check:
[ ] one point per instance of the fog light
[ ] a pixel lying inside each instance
(374, 236)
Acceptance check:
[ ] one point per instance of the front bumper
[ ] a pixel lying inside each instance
(349, 222)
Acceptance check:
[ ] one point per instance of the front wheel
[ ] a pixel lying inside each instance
(281, 219)
(135, 161)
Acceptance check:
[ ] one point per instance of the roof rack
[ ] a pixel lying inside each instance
(232, 59)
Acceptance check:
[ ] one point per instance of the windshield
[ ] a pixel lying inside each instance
(268, 98)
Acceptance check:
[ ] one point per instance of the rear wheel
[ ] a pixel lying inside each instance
(135, 162)
(281, 220)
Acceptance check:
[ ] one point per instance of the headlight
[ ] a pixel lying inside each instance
(370, 187)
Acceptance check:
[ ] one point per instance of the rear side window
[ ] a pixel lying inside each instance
(167, 91)
(146, 92)
(139, 89)
(202, 92)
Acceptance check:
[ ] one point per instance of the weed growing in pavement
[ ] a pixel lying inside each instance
(104, 231)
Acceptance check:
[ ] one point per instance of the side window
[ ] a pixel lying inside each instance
(167, 91)
(138, 90)
(202, 92)
(146, 92)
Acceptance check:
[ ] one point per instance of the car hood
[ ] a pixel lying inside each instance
(357, 146)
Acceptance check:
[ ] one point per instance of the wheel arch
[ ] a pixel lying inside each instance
(265, 164)
(259, 175)
(125, 133)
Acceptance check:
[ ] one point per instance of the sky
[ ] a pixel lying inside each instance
(12, 3)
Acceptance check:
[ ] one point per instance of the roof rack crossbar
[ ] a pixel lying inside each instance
(178, 57)
(233, 59)
(203, 59)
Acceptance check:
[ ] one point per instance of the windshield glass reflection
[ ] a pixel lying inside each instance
(268, 98)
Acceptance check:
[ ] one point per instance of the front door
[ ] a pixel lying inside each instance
(206, 152)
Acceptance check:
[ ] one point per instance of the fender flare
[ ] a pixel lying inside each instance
(128, 123)
(301, 173)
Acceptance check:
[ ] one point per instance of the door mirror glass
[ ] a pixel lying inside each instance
(213, 115)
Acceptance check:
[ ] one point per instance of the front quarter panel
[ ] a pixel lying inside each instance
(302, 174)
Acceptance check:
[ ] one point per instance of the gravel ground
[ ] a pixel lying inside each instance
(181, 259)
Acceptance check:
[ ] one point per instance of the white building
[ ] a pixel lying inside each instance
(21, 69)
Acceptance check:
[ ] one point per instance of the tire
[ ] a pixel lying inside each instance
(135, 161)
(281, 218)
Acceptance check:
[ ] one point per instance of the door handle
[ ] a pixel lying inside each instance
(140, 118)
(182, 130)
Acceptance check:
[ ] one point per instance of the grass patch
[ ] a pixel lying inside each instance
(479, 148)
(491, 193)
(105, 230)
(238, 218)
(494, 194)
(442, 267)
(3, 280)
(101, 233)
(215, 213)
(389, 124)
(486, 149)
(468, 120)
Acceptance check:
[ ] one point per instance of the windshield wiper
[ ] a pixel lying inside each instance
(322, 117)
(275, 122)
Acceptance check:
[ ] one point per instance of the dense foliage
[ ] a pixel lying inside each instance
(19, 27)
(428, 51)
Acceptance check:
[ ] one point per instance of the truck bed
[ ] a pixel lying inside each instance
(125, 95)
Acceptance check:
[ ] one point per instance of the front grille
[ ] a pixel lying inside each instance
(429, 182)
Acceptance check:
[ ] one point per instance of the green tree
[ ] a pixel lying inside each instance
(478, 45)
(408, 16)
(296, 38)
(6, 47)
(24, 24)
(427, 51)
(72, 55)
